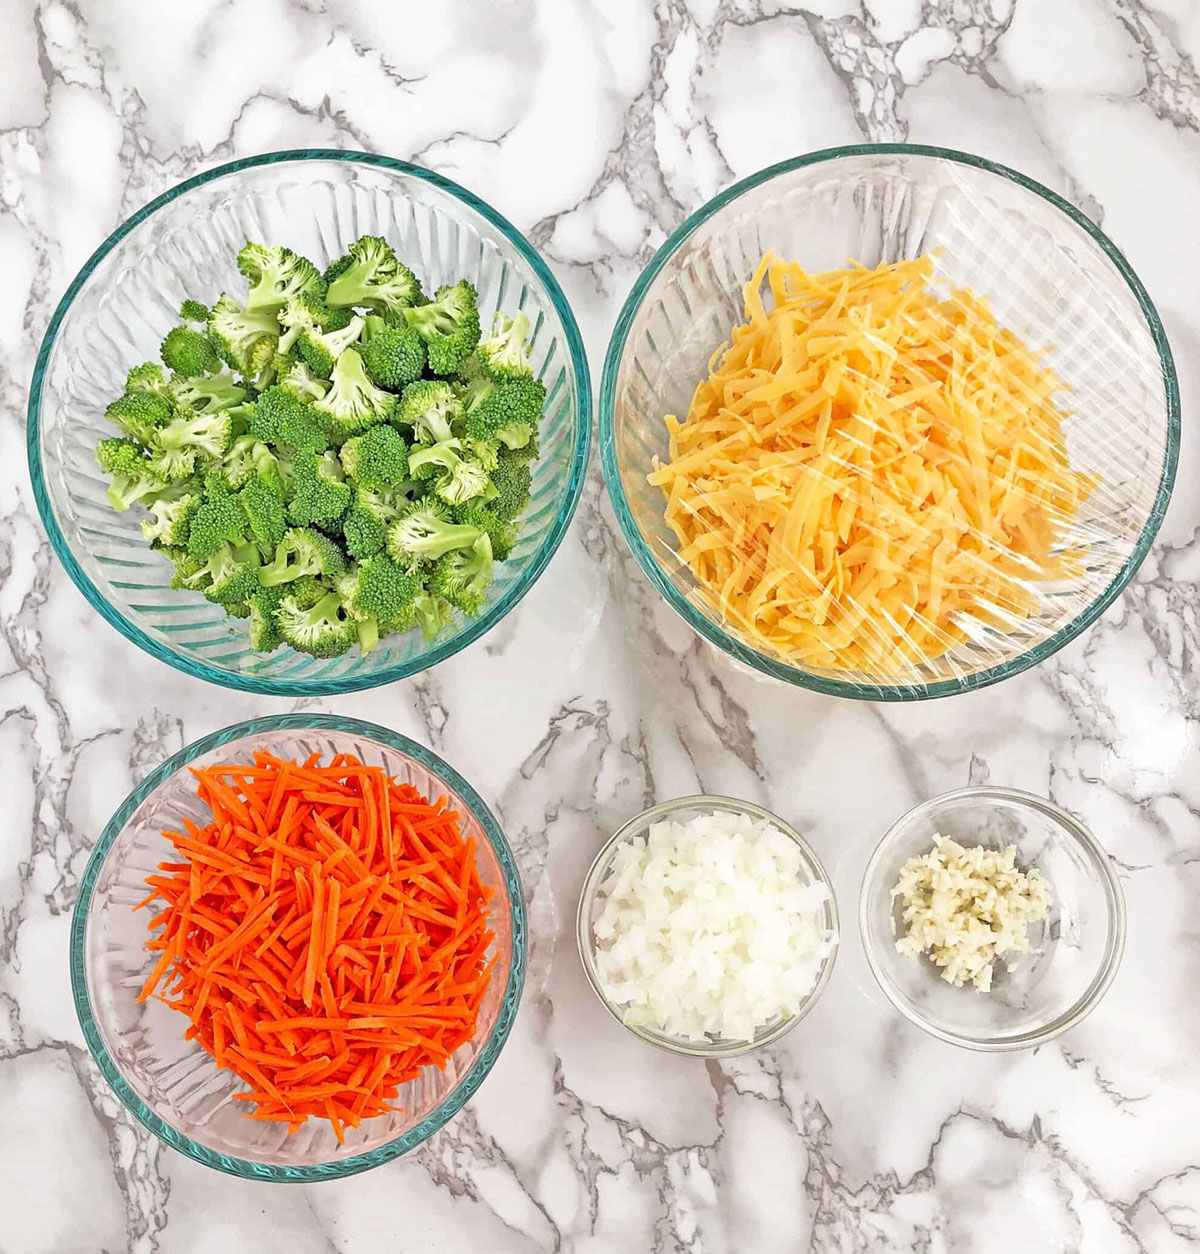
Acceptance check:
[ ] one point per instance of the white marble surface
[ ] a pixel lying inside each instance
(596, 125)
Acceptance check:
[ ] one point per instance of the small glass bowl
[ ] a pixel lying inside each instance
(1075, 950)
(171, 1085)
(590, 900)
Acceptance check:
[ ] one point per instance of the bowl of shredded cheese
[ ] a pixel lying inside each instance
(707, 926)
(889, 422)
(992, 918)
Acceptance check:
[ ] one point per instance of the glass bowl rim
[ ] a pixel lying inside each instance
(353, 682)
(1114, 897)
(591, 887)
(742, 652)
(454, 1101)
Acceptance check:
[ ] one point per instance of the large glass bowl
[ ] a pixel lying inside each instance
(1075, 951)
(172, 1085)
(1050, 274)
(591, 902)
(184, 243)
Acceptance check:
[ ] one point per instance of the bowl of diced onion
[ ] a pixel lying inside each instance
(707, 926)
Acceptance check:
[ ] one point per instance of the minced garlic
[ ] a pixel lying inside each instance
(965, 907)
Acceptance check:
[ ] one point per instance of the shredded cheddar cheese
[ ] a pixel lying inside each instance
(871, 473)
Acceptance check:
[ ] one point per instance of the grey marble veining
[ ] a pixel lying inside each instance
(596, 126)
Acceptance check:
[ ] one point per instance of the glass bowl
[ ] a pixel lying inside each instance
(184, 243)
(591, 900)
(1075, 950)
(1050, 274)
(172, 1085)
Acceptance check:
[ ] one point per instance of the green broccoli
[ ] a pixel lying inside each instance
(172, 465)
(276, 275)
(453, 474)
(139, 415)
(300, 381)
(149, 377)
(133, 478)
(246, 340)
(194, 311)
(507, 411)
(463, 576)
(210, 435)
(424, 531)
(433, 613)
(280, 418)
(265, 511)
(208, 395)
(378, 588)
(319, 491)
(303, 551)
(393, 353)
(262, 628)
(449, 325)
(219, 520)
(505, 352)
(246, 458)
(370, 274)
(502, 532)
(325, 630)
(365, 524)
(511, 479)
(485, 452)
(312, 330)
(376, 459)
(431, 408)
(232, 574)
(353, 403)
(170, 520)
(189, 353)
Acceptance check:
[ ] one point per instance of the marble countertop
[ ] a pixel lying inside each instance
(596, 126)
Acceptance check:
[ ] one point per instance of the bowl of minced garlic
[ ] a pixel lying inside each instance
(991, 918)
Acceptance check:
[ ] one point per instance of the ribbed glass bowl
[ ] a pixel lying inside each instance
(172, 1085)
(591, 902)
(1075, 951)
(1051, 276)
(184, 243)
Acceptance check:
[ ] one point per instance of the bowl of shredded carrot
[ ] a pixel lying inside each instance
(298, 947)
(889, 422)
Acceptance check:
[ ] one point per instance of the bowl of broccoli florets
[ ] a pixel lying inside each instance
(309, 423)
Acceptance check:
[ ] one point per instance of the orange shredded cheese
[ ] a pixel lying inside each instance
(871, 473)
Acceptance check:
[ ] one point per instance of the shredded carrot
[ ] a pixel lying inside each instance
(326, 935)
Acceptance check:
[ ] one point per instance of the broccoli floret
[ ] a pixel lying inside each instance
(325, 630)
(314, 334)
(449, 325)
(280, 418)
(507, 411)
(232, 574)
(173, 465)
(454, 476)
(210, 435)
(149, 377)
(170, 520)
(353, 403)
(263, 505)
(511, 479)
(219, 520)
(431, 408)
(370, 274)
(189, 353)
(434, 613)
(485, 452)
(300, 381)
(276, 275)
(505, 352)
(139, 415)
(376, 459)
(247, 458)
(208, 395)
(502, 532)
(133, 479)
(246, 340)
(262, 628)
(194, 311)
(366, 521)
(463, 576)
(393, 353)
(303, 551)
(424, 531)
(319, 492)
(381, 589)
